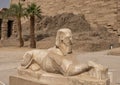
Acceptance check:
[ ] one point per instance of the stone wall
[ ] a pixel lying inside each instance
(118, 16)
(96, 11)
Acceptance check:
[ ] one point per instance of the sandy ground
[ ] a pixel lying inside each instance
(11, 57)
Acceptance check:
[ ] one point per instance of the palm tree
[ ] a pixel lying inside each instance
(17, 11)
(33, 10)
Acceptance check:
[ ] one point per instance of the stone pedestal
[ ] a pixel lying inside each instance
(17, 80)
(55, 79)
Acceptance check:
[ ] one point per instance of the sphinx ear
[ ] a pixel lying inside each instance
(71, 39)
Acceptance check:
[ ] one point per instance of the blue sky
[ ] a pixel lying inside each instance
(4, 3)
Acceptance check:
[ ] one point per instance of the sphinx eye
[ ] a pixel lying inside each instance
(61, 40)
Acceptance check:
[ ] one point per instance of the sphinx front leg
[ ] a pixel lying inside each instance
(98, 71)
(27, 60)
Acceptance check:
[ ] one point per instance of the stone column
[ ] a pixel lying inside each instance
(14, 29)
(4, 29)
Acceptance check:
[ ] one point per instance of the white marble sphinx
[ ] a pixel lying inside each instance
(54, 60)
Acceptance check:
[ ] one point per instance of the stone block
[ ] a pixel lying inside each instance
(17, 80)
(56, 79)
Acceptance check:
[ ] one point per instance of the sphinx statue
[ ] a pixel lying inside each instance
(54, 60)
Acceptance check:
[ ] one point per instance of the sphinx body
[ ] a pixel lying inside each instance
(54, 60)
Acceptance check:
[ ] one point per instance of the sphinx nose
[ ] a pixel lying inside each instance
(70, 42)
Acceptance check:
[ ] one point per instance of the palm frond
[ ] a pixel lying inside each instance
(33, 9)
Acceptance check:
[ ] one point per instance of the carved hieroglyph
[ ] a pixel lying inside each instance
(54, 60)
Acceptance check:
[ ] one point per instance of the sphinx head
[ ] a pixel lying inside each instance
(64, 40)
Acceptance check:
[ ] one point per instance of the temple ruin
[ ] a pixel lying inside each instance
(97, 12)
(6, 28)
(102, 12)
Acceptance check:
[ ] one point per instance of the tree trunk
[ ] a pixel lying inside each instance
(32, 32)
(20, 32)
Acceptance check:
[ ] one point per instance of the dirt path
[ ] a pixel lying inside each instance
(10, 59)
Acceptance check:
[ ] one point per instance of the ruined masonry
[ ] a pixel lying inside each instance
(102, 12)
(97, 12)
(7, 28)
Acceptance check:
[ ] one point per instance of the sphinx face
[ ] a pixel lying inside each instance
(66, 44)
(64, 41)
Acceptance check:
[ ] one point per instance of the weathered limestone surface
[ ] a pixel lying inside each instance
(14, 30)
(102, 12)
(58, 79)
(17, 80)
(4, 29)
(118, 17)
(55, 79)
